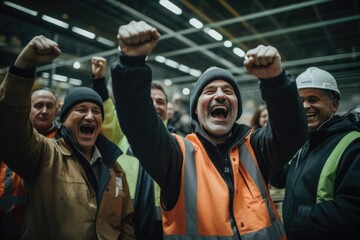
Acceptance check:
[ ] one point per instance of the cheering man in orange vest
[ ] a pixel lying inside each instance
(214, 181)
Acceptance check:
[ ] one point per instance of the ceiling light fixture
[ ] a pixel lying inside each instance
(83, 32)
(77, 65)
(184, 68)
(196, 23)
(228, 43)
(186, 91)
(75, 81)
(59, 78)
(45, 75)
(21, 8)
(215, 35)
(160, 59)
(167, 82)
(170, 6)
(239, 52)
(171, 63)
(194, 72)
(105, 41)
(55, 21)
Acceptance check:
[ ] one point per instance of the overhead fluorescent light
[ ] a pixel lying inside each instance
(105, 41)
(239, 52)
(167, 82)
(75, 81)
(21, 8)
(184, 68)
(45, 75)
(83, 32)
(228, 43)
(59, 78)
(77, 65)
(215, 35)
(170, 6)
(160, 59)
(55, 21)
(186, 91)
(171, 63)
(196, 23)
(194, 72)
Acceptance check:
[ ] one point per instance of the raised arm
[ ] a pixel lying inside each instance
(18, 142)
(150, 141)
(110, 127)
(286, 130)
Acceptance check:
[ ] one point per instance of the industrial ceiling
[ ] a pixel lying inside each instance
(318, 33)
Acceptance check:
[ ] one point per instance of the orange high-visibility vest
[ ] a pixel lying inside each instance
(203, 207)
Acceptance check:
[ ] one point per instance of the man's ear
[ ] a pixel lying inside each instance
(335, 105)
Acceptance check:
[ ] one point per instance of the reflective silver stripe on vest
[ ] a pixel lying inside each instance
(276, 230)
(190, 185)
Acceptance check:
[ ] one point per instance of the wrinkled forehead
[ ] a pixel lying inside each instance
(218, 83)
(43, 94)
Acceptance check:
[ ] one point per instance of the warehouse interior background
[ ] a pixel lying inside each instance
(195, 35)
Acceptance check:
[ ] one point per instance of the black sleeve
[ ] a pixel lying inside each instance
(99, 86)
(157, 150)
(286, 131)
(278, 179)
(26, 73)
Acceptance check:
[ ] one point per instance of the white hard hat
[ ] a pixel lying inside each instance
(315, 77)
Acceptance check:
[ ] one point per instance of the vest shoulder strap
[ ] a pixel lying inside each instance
(325, 190)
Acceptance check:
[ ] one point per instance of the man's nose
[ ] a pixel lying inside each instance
(89, 114)
(44, 109)
(306, 104)
(220, 95)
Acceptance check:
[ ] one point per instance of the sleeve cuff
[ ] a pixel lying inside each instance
(276, 81)
(132, 61)
(26, 73)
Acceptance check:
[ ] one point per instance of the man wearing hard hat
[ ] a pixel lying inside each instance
(322, 181)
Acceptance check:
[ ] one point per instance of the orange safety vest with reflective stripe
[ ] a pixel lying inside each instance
(202, 210)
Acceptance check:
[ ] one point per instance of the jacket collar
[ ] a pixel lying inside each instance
(108, 150)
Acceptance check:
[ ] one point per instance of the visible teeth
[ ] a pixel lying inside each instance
(219, 107)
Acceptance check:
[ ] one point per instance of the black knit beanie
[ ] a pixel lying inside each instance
(78, 95)
(211, 74)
